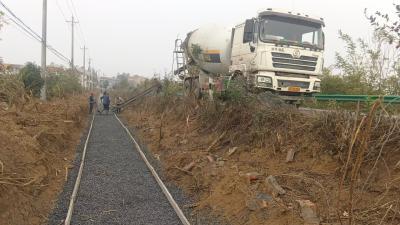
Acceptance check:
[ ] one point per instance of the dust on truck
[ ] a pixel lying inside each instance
(278, 51)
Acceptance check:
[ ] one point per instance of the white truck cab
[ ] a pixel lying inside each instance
(278, 51)
(281, 51)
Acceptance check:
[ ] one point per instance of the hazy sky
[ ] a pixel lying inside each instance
(137, 36)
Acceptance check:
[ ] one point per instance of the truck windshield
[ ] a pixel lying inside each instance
(291, 31)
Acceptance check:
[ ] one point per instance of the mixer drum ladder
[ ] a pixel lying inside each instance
(179, 66)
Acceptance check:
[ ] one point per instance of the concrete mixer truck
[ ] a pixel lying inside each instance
(278, 51)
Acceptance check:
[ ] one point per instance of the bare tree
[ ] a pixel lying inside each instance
(387, 23)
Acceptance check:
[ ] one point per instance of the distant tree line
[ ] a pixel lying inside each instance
(367, 67)
(59, 84)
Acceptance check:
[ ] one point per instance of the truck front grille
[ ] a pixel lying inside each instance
(287, 61)
(290, 83)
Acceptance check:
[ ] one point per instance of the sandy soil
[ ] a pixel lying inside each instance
(37, 145)
(224, 158)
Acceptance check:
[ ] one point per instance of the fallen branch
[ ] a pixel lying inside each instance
(66, 173)
(316, 183)
(17, 183)
(2, 167)
(182, 170)
(216, 141)
(387, 211)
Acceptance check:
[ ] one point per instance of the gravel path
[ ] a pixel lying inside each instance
(116, 186)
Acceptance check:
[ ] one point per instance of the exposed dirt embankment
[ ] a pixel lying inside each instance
(37, 145)
(254, 165)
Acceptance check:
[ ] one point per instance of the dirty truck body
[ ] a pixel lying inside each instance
(278, 51)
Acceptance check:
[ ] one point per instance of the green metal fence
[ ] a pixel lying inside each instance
(358, 98)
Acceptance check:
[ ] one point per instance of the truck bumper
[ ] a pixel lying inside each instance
(287, 85)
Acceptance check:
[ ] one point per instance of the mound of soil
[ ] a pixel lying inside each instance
(254, 165)
(38, 142)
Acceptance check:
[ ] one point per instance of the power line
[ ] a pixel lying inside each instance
(28, 34)
(22, 29)
(76, 14)
(60, 9)
(29, 31)
(73, 11)
(16, 17)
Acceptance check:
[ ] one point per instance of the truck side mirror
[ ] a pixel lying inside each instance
(252, 47)
(248, 31)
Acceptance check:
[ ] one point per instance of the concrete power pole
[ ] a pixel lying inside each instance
(44, 48)
(90, 72)
(73, 22)
(84, 67)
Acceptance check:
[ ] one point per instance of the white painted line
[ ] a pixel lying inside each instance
(164, 189)
(78, 178)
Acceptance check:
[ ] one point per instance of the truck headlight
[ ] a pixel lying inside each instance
(317, 85)
(261, 79)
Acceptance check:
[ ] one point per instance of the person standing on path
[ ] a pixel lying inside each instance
(92, 103)
(119, 102)
(105, 99)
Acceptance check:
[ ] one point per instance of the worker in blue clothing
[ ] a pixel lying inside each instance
(105, 99)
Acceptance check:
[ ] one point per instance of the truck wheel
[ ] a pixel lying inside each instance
(196, 88)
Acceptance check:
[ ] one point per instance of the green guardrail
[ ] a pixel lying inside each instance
(393, 99)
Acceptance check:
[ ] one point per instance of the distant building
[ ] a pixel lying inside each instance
(136, 80)
(10, 68)
(55, 69)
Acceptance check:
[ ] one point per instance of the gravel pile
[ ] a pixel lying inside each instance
(116, 186)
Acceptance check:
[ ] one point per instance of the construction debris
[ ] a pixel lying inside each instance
(216, 141)
(252, 204)
(309, 212)
(253, 176)
(290, 155)
(231, 151)
(183, 170)
(210, 159)
(189, 166)
(273, 185)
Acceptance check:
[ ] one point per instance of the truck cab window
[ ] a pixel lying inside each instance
(291, 32)
(248, 31)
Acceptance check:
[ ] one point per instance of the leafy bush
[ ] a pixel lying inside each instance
(369, 68)
(30, 76)
(61, 85)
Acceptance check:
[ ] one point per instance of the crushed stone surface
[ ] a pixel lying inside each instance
(116, 185)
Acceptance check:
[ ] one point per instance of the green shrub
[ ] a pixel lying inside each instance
(61, 85)
(30, 76)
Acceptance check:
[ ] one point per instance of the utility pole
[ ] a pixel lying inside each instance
(44, 48)
(84, 65)
(73, 22)
(90, 72)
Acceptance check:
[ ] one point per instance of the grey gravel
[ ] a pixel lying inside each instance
(112, 182)
(116, 186)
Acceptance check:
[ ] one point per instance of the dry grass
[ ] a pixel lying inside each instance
(345, 162)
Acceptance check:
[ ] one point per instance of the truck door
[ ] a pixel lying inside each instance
(243, 50)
